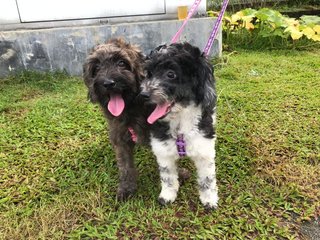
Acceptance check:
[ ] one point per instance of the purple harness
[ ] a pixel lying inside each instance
(181, 146)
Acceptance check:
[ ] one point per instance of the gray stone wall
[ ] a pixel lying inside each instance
(66, 48)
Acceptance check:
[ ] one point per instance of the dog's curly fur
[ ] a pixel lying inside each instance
(180, 79)
(116, 67)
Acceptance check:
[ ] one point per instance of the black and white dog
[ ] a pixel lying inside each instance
(181, 85)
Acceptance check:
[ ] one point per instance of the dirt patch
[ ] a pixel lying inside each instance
(311, 230)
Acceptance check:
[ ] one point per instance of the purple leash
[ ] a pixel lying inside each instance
(181, 146)
(215, 28)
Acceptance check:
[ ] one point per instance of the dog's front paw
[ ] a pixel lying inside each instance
(209, 200)
(167, 196)
(210, 206)
(164, 202)
(123, 193)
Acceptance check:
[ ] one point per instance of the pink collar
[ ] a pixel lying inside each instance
(133, 134)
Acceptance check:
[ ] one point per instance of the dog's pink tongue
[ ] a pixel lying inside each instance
(116, 104)
(158, 112)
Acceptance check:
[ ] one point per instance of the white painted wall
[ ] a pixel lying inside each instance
(52, 10)
(171, 5)
(8, 12)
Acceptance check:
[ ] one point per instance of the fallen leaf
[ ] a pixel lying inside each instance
(309, 32)
(249, 25)
(295, 33)
(316, 38)
(316, 28)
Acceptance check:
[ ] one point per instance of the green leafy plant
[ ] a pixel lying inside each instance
(269, 28)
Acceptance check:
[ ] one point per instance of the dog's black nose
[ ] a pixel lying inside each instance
(145, 95)
(108, 83)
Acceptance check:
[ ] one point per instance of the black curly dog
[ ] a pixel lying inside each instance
(113, 72)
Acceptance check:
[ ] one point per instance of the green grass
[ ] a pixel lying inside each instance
(58, 175)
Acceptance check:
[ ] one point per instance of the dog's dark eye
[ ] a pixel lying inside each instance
(148, 74)
(95, 70)
(121, 63)
(171, 75)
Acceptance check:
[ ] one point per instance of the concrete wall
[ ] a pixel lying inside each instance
(66, 48)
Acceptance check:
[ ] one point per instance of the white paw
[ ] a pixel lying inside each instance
(167, 195)
(209, 199)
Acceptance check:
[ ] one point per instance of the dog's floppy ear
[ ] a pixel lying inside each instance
(88, 72)
(138, 61)
(205, 82)
(206, 86)
(194, 51)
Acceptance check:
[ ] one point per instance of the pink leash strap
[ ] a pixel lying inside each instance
(215, 28)
(190, 13)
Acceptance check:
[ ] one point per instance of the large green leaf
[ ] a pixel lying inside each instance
(268, 15)
(249, 12)
(310, 20)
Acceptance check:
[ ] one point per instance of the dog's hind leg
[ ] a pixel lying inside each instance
(127, 171)
(166, 157)
(204, 159)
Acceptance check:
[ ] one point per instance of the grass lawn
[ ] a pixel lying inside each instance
(58, 175)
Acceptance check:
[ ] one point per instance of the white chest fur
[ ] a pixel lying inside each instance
(185, 120)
